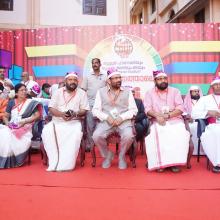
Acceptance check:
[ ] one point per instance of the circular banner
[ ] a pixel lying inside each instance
(132, 56)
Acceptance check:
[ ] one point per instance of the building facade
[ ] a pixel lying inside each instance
(53, 13)
(174, 11)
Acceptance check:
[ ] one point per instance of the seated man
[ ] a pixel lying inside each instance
(115, 108)
(208, 107)
(62, 136)
(190, 100)
(167, 144)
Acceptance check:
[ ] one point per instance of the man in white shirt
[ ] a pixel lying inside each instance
(115, 108)
(190, 100)
(208, 107)
(62, 136)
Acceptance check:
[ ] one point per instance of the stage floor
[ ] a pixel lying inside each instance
(29, 192)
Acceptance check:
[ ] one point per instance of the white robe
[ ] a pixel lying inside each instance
(167, 145)
(211, 137)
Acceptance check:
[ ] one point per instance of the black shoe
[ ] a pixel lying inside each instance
(175, 169)
(87, 149)
(216, 169)
(160, 170)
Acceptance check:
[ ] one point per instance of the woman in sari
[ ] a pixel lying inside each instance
(16, 134)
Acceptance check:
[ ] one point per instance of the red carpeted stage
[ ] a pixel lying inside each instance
(29, 192)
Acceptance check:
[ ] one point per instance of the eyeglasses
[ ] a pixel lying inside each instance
(22, 90)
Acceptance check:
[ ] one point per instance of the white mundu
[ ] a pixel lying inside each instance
(62, 138)
(210, 138)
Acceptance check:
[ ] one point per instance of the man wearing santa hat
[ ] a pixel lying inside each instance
(62, 136)
(114, 107)
(167, 144)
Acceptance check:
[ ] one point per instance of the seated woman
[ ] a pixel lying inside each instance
(16, 134)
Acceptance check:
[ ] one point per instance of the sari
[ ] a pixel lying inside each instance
(15, 140)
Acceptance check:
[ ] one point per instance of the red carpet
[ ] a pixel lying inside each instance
(29, 192)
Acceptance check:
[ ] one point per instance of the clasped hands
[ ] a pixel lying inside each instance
(114, 122)
(68, 115)
(161, 118)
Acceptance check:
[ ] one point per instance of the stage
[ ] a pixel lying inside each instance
(29, 192)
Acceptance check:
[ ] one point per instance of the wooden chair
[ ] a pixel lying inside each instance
(114, 138)
(83, 145)
(36, 139)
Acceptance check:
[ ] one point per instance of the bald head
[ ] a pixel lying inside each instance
(25, 76)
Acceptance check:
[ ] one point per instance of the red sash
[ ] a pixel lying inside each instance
(211, 120)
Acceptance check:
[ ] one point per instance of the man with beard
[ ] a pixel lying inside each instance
(91, 83)
(62, 136)
(190, 101)
(114, 107)
(167, 144)
(208, 107)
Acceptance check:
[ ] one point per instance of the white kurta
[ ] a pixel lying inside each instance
(211, 137)
(167, 145)
(61, 138)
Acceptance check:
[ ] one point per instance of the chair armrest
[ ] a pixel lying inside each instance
(202, 123)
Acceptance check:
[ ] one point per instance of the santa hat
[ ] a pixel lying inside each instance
(71, 74)
(159, 73)
(111, 72)
(215, 80)
(36, 89)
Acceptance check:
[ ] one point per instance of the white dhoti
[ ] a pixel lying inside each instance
(211, 143)
(193, 131)
(62, 145)
(167, 145)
